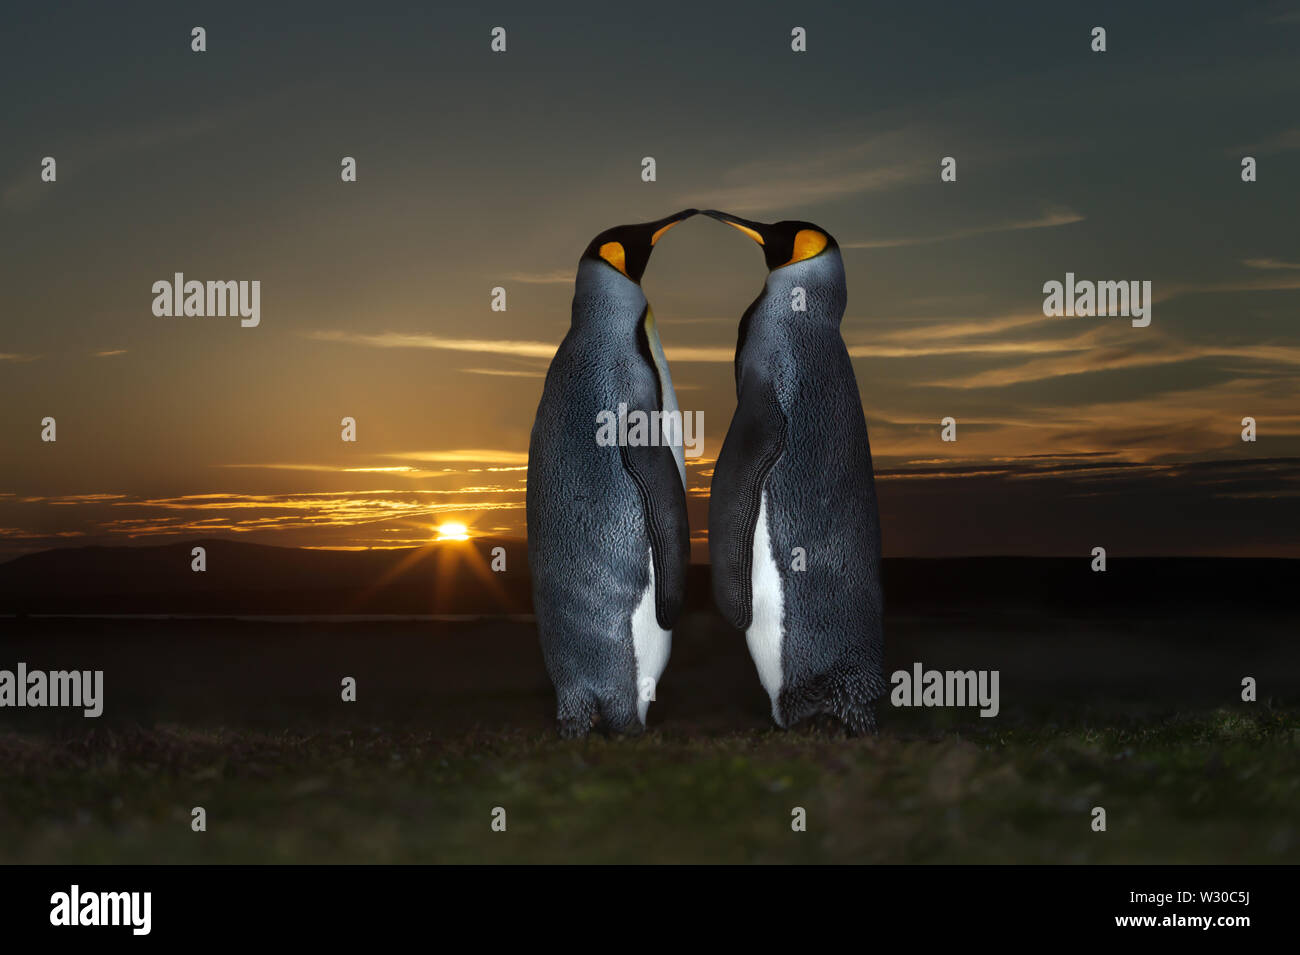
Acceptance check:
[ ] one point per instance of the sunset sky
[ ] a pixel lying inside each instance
(477, 170)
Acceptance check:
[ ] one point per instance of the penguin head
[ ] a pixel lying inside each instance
(784, 243)
(627, 248)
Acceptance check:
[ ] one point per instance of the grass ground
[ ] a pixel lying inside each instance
(1222, 786)
(245, 720)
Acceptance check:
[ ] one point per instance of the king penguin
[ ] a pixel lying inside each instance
(794, 534)
(608, 542)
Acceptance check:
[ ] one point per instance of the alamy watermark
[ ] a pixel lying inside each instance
(75, 907)
(179, 298)
(1110, 299)
(921, 687)
(651, 429)
(56, 688)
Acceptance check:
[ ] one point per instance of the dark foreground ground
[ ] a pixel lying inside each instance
(1141, 716)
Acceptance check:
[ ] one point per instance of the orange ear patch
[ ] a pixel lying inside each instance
(807, 243)
(612, 252)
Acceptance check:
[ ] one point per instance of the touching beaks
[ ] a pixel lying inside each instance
(665, 224)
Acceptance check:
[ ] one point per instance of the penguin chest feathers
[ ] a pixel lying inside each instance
(766, 635)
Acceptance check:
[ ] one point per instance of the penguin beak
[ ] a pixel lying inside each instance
(663, 225)
(755, 230)
(628, 247)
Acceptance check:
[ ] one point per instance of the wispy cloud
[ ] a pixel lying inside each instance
(511, 347)
(1177, 424)
(1269, 264)
(702, 353)
(885, 345)
(1079, 343)
(1103, 358)
(110, 352)
(12, 356)
(1163, 291)
(401, 469)
(553, 277)
(729, 321)
(946, 328)
(820, 175)
(496, 461)
(21, 533)
(493, 346)
(1284, 142)
(968, 336)
(1049, 220)
(465, 456)
(780, 189)
(506, 372)
(116, 142)
(243, 513)
(73, 499)
(1042, 369)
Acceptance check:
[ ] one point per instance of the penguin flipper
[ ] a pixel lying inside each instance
(754, 442)
(663, 498)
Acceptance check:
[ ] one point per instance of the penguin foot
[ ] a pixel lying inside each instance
(821, 724)
(573, 728)
(846, 700)
(607, 720)
(576, 715)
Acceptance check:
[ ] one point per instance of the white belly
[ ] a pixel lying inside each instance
(651, 643)
(764, 635)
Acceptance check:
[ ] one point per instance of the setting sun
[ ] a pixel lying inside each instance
(452, 532)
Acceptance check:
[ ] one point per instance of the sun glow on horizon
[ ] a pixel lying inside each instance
(452, 531)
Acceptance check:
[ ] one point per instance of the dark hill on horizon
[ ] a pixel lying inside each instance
(454, 577)
(450, 577)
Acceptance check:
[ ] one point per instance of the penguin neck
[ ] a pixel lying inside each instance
(605, 301)
(823, 296)
(772, 321)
